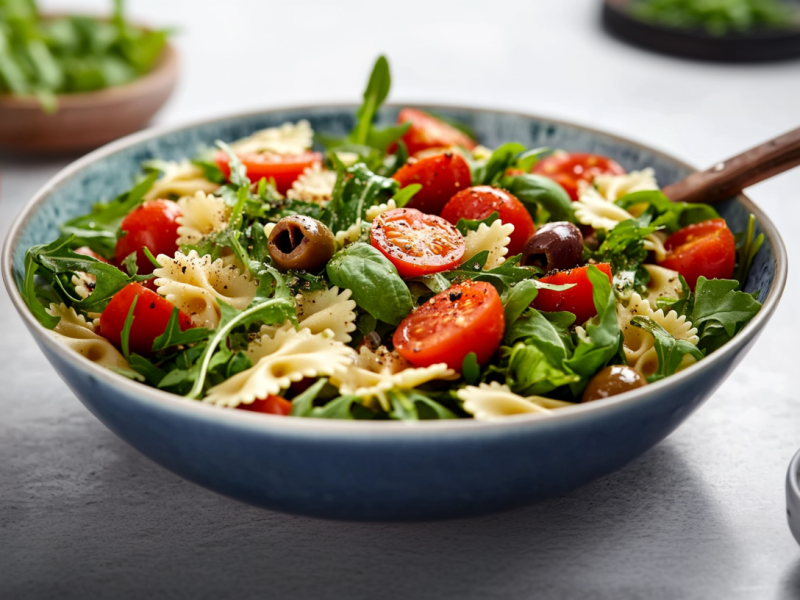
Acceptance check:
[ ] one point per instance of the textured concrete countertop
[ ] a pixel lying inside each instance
(82, 515)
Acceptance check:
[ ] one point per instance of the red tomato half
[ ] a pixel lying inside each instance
(152, 225)
(416, 243)
(568, 169)
(706, 249)
(272, 405)
(427, 131)
(477, 203)
(466, 318)
(283, 169)
(441, 177)
(577, 300)
(150, 318)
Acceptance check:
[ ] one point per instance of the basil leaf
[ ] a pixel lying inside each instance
(536, 191)
(518, 300)
(470, 369)
(670, 351)
(532, 370)
(373, 280)
(548, 331)
(29, 292)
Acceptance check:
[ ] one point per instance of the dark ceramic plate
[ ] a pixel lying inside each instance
(764, 45)
(385, 470)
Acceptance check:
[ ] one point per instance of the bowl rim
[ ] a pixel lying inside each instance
(368, 429)
(166, 66)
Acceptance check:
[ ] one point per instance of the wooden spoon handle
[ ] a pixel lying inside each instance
(730, 177)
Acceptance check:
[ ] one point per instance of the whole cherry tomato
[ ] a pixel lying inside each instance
(271, 405)
(467, 317)
(441, 177)
(477, 203)
(568, 169)
(150, 318)
(152, 225)
(427, 131)
(706, 249)
(416, 243)
(578, 299)
(283, 169)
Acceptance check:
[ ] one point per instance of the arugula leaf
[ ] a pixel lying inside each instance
(411, 405)
(98, 229)
(338, 408)
(373, 280)
(532, 370)
(600, 343)
(238, 176)
(720, 311)
(670, 351)
(28, 289)
(304, 403)
(502, 277)
(682, 306)
(670, 215)
(538, 192)
(380, 81)
(746, 251)
(546, 330)
(276, 310)
(470, 369)
(464, 226)
(356, 189)
(405, 195)
(126, 330)
(624, 249)
(436, 282)
(490, 172)
(173, 336)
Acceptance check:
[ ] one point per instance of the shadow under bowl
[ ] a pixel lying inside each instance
(86, 121)
(379, 470)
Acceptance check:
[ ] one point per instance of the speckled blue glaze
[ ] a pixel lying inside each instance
(387, 470)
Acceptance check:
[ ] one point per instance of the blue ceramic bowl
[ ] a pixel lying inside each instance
(378, 470)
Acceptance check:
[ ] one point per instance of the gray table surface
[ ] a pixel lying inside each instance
(701, 516)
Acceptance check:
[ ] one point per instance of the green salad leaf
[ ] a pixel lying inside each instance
(373, 279)
(357, 188)
(668, 214)
(542, 197)
(670, 351)
(720, 311)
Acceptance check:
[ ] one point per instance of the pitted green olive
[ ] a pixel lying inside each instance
(301, 243)
(612, 380)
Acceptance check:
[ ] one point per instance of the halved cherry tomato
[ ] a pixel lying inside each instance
(577, 300)
(706, 249)
(441, 177)
(283, 169)
(427, 131)
(150, 318)
(86, 251)
(467, 317)
(152, 225)
(479, 202)
(416, 243)
(271, 405)
(568, 169)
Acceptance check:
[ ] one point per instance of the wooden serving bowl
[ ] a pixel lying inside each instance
(88, 120)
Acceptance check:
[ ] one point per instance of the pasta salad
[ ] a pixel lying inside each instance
(404, 273)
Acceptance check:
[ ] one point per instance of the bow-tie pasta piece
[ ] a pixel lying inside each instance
(287, 139)
(372, 374)
(180, 179)
(75, 332)
(278, 362)
(194, 284)
(494, 238)
(639, 345)
(495, 401)
(614, 187)
(664, 283)
(201, 215)
(327, 309)
(314, 185)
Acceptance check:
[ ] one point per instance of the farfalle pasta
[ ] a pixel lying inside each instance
(272, 276)
(194, 284)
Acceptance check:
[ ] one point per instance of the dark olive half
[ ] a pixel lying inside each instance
(611, 381)
(556, 245)
(301, 243)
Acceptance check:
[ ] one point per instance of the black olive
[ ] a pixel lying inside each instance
(556, 245)
(301, 243)
(611, 381)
